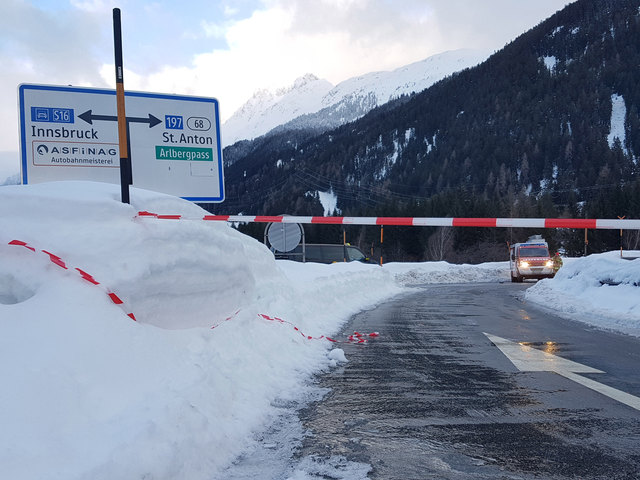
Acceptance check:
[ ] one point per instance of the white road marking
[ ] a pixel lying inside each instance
(528, 359)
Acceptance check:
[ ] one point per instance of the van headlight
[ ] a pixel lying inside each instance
(524, 264)
(549, 264)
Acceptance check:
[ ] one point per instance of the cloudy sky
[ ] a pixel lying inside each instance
(230, 49)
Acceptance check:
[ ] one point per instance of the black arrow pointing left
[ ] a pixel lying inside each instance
(89, 117)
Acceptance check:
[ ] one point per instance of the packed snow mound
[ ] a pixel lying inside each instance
(443, 272)
(601, 289)
(139, 257)
(90, 393)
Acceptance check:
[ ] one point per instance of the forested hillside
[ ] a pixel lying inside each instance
(547, 127)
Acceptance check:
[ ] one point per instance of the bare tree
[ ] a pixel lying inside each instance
(440, 243)
(631, 239)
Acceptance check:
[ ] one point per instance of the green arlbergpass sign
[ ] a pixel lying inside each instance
(189, 154)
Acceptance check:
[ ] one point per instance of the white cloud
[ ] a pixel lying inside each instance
(212, 29)
(230, 50)
(338, 39)
(258, 55)
(93, 6)
(45, 47)
(288, 39)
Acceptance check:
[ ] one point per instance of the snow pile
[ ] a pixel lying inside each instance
(602, 290)
(442, 272)
(89, 393)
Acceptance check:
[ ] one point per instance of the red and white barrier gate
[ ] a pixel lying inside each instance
(580, 223)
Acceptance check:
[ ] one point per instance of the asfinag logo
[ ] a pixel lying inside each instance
(75, 154)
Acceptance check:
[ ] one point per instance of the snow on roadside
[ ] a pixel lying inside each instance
(443, 272)
(602, 290)
(89, 393)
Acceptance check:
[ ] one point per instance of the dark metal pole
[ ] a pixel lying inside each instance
(125, 166)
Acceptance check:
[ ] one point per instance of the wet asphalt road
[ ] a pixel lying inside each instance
(433, 398)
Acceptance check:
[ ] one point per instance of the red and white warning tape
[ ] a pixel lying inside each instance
(356, 337)
(617, 224)
(56, 260)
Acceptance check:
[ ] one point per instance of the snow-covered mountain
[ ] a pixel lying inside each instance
(313, 102)
(266, 110)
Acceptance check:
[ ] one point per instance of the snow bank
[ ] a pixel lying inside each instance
(89, 393)
(602, 290)
(443, 272)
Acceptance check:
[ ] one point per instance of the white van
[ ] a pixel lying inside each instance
(530, 259)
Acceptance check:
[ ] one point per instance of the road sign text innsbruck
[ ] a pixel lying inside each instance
(71, 133)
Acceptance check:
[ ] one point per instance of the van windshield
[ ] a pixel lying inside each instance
(533, 252)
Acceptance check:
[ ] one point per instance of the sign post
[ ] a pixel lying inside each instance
(123, 130)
